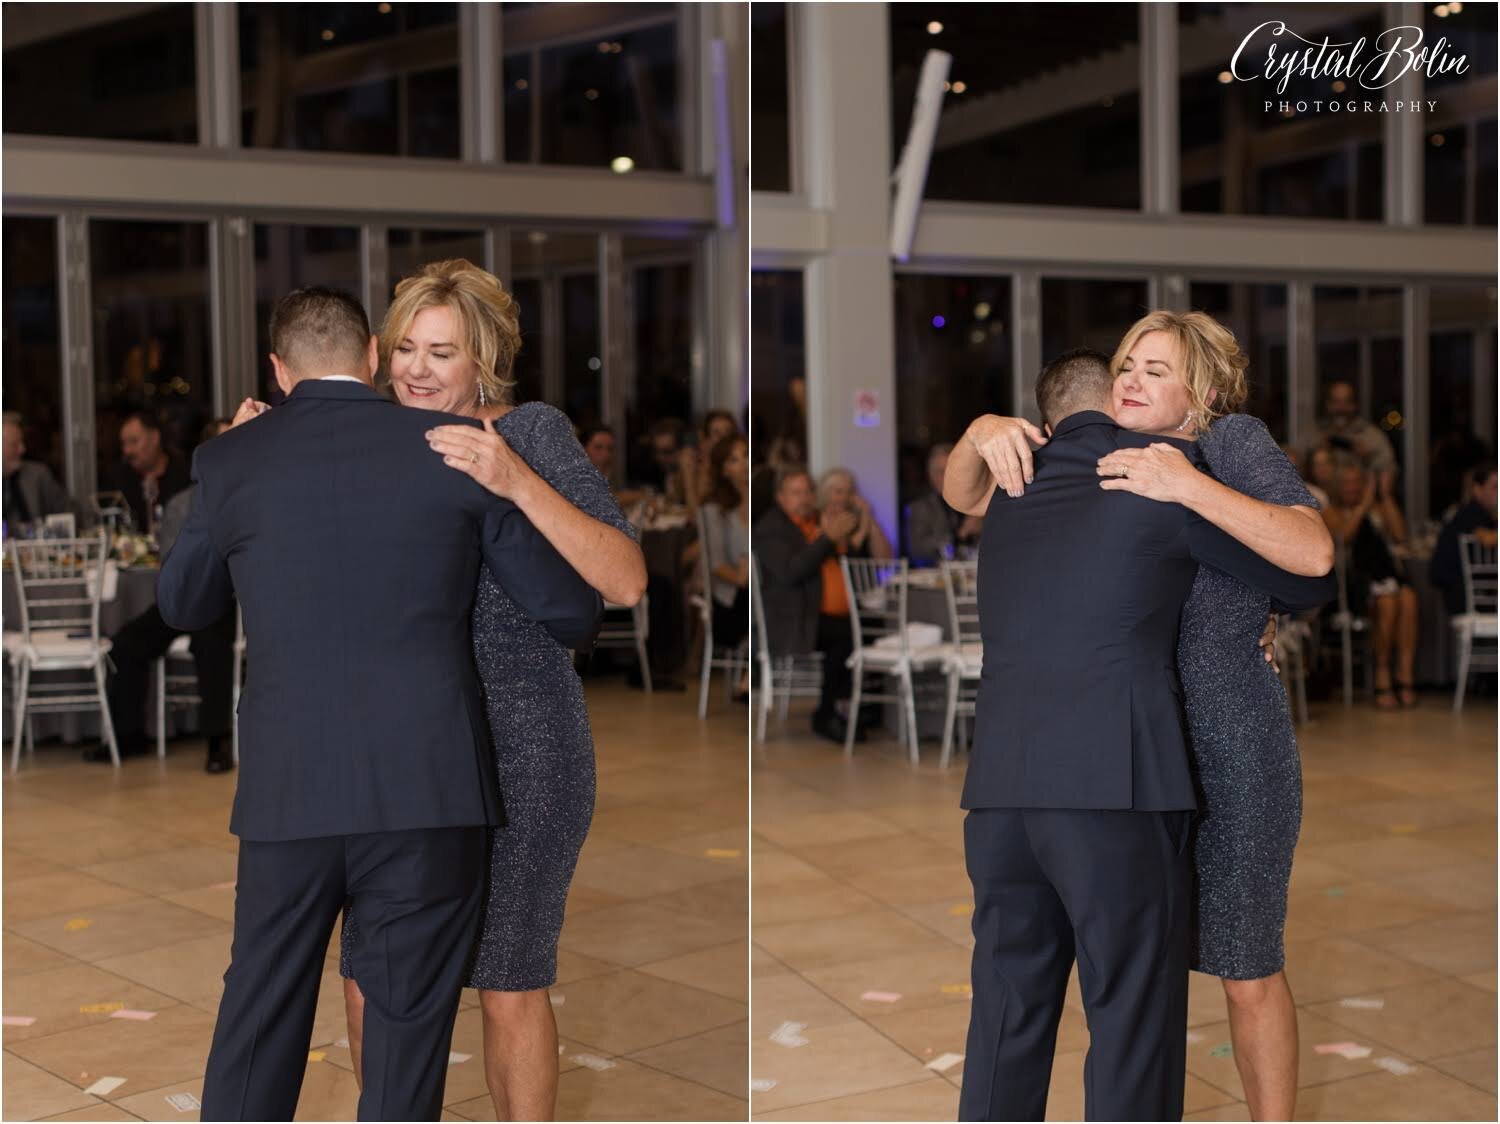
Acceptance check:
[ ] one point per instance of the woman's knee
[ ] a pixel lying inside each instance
(507, 1006)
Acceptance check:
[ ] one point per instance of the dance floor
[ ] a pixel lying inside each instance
(118, 893)
(862, 910)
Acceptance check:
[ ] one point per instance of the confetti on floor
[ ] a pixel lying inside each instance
(789, 1034)
(1350, 1050)
(593, 1061)
(1334, 892)
(76, 925)
(722, 853)
(16, 1020)
(944, 1062)
(963, 909)
(881, 996)
(957, 989)
(1363, 1004)
(104, 1086)
(316, 1055)
(1396, 1066)
(100, 1008)
(183, 1102)
(762, 1084)
(1222, 1050)
(455, 1058)
(134, 1016)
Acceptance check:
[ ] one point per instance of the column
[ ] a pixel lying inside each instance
(843, 99)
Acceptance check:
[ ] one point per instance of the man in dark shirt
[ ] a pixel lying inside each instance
(150, 475)
(31, 491)
(1477, 517)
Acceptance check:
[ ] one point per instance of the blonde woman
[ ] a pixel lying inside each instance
(1183, 375)
(837, 492)
(449, 343)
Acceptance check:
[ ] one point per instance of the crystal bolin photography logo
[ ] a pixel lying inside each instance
(1396, 52)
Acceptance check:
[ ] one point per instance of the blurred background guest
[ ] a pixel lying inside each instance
(933, 529)
(661, 471)
(838, 492)
(1477, 518)
(150, 474)
(31, 491)
(1344, 428)
(145, 639)
(783, 453)
(1367, 524)
(1321, 474)
(598, 443)
(806, 611)
(726, 523)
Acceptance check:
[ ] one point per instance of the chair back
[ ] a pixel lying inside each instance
(877, 598)
(961, 584)
(1478, 562)
(60, 583)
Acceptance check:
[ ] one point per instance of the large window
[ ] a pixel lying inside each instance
(32, 350)
(1358, 332)
(1256, 314)
(409, 250)
(369, 78)
(778, 362)
(1051, 88)
(1461, 402)
(153, 344)
(953, 363)
(115, 71)
(1459, 154)
(1242, 153)
(595, 85)
(660, 300)
(556, 281)
(770, 107)
(288, 257)
(1088, 313)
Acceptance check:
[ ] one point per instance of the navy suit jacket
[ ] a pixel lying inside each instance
(354, 551)
(1080, 596)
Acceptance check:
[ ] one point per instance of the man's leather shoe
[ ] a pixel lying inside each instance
(220, 757)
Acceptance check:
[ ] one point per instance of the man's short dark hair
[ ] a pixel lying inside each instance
(790, 472)
(1075, 380)
(146, 417)
(320, 331)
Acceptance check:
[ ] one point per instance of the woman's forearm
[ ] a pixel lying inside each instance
(606, 558)
(1294, 538)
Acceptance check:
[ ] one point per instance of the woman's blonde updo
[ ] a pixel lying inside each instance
(487, 319)
(1212, 360)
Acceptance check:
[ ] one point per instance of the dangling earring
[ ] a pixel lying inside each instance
(1187, 422)
(481, 393)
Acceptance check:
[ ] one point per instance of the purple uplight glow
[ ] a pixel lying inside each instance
(938, 321)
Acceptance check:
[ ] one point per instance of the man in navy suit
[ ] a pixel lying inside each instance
(366, 774)
(1079, 791)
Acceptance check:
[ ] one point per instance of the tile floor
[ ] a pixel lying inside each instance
(859, 886)
(118, 890)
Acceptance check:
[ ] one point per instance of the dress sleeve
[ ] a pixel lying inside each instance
(1245, 457)
(552, 450)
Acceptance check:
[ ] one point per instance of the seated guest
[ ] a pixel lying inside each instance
(1346, 430)
(837, 491)
(795, 547)
(598, 443)
(144, 640)
(784, 451)
(662, 473)
(726, 521)
(1322, 473)
(1366, 522)
(31, 491)
(1477, 518)
(695, 469)
(932, 527)
(150, 475)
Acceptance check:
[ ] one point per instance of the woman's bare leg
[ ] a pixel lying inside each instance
(1263, 1031)
(1406, 643)
(1384, 611)
(354, 1014)
(520, 1053)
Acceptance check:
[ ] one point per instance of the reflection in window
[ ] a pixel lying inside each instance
(555, 277)
(289, 257)
(595, 85)
(770, 113)
(410, 250)
(85, 70)
(1238, 156)
(659, 284)
(1460, 351)
(778, 356)
(32, 350)
(953, 363)
(152, 336)
(1358, 335)
(1088, 313)
(1470, 30)
(1256, 314)
(1051, 88)
(368, 78)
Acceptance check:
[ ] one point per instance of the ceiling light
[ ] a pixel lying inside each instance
(622, 164)
(934, 28)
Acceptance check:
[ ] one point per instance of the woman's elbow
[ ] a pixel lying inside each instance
(631, 586)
